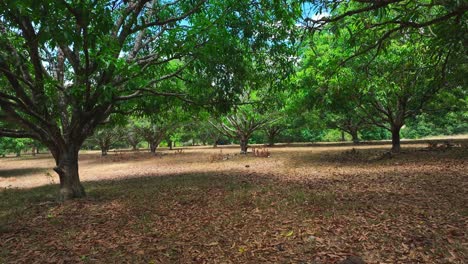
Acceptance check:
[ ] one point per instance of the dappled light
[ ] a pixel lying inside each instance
(301, 204)
(233, 131)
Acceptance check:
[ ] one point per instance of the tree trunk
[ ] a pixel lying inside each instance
(153, 147)
(67, 169)
(354, 136)
(215, 141)
(103, 152)
(343, 136)
(134, 147)
(244, 145)
(33, 151)
(169, 144)
(396, 139)
(271, 140)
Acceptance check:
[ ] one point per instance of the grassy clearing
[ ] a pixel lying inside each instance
(318, 208)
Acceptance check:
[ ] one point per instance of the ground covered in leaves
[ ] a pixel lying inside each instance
(201, 205)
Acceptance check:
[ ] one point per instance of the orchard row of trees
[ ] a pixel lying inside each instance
(135, 134)
(68, 69)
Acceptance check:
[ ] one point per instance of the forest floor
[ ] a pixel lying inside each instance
(309, 204)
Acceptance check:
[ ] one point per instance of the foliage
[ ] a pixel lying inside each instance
(14, 145)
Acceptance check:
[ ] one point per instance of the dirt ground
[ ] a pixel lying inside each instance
(307, 204)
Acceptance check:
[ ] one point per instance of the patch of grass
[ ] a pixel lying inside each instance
(306, 197)
(241, 197)
(16, 202)
(20, 172)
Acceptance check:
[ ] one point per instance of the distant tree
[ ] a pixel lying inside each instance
(132, 136)
(402, 83)
(381, 89)
(13, 145)
(153, 131)
(105, 136)
(204, 131)
(272, 131)
(241, 124)
(157, 126)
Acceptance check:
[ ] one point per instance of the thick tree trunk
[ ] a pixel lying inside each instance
(33, 151)
(153, 147)
(343, 136)
(67, 169)
(354, 136)
(243, 145)
(104, 150)
(396, 139)
(134, 147)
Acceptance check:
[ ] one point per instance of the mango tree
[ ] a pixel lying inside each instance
(65, 66)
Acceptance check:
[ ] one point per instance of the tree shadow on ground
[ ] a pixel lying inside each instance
(226, 215)
(355, 157)
(8, 173)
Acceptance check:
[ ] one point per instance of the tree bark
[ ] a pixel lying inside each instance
(103, 152)
(342, 135)
(244, 145)
(354, 136)
(396, 139)
(153, 147)
(169, 144)
(67, 169)
(33, 151)
(104, 149)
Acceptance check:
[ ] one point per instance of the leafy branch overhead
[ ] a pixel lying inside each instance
(373, 23)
